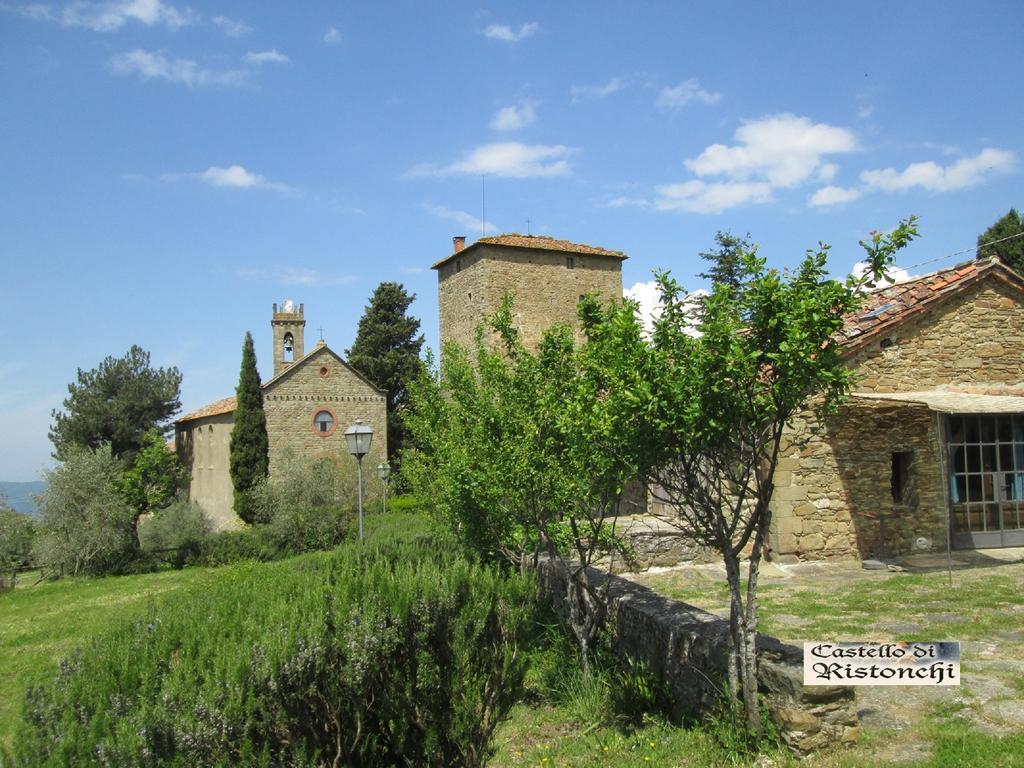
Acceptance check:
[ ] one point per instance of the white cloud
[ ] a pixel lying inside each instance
(111, 16)
(468, 222)
(648, 296)
(964, 173)
(827, 171)
(507, 159)
(292, 275)
(154, 65)
(237, 177)
(896, 275)
(784, 150)
(332, 36)
(514, 117)
(626, 202)
(232, 27)
(696, 196)
(34, 11)
(833, 196)
(506, 33)
(580, 92)
(273, 56)
(679, 96)
(866, 111)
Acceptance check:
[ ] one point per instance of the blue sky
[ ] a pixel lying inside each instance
(171, 170)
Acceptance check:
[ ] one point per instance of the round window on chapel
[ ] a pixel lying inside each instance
(323, 423)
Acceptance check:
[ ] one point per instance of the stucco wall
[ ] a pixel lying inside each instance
(546, 291)
(204, 448)
(833, 495)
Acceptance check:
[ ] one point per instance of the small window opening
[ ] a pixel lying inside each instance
(901, 461)
(885, 343)
(470, 295)
(570, 263)
(458, 265)
(289, 347)
(323, 421)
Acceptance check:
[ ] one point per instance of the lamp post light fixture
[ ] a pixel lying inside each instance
(359, 436)
(384, 472)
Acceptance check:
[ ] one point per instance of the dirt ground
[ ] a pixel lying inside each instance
(991, 695)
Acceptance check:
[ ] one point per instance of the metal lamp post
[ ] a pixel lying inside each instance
(383, 472)
(359, 436)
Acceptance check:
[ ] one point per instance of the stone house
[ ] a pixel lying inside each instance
(309, 402)
(931, 442)
(546, 276)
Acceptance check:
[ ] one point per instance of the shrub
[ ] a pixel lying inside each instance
(86, 528)
(347, 657)
(17, 532)
(174, 534)
(226, 547)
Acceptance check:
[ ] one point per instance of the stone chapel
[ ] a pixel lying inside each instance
(310, 400)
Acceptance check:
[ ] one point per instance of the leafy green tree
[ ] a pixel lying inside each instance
(86, 527)
(17, 532)
(1010, 251)
(509, 451)
(115, 404)
(715, 405)
(153, 480)
(387, 352)
(249, 448)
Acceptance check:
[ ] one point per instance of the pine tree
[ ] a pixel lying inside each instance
(727, 267)
(249, 445)
(387, 352)
(1010, 251)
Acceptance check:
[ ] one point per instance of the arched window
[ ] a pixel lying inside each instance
(289, 347)
(324, 422)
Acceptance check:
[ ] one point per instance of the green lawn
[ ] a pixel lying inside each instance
(39, 624)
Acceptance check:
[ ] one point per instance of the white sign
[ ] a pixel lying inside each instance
(882, 663)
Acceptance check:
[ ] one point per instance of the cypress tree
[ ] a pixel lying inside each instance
(249, 445)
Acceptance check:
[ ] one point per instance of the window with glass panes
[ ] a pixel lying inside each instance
(986, 466)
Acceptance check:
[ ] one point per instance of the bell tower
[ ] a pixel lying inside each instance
(288, 325)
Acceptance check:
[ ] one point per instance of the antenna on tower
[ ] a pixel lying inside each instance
(528, 232)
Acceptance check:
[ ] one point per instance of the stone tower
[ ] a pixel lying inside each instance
(547, 277)
(288, 325)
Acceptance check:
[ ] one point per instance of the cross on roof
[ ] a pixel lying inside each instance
(321, 330)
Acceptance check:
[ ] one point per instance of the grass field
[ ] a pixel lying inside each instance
(41, 623)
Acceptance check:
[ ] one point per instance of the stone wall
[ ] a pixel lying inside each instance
(204, 446)
(323, 382)
(687, 648)
(833, 495)
(546, 291)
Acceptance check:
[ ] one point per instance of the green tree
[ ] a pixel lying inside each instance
(1010, 251)
(249, 449)
(727, 260)
(510, 452)
(387, 352)
(86, 527)
(715, 406)
(153, 480)
(17, 532)
(115, 404)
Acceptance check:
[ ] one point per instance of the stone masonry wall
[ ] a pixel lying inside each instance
(546, 291)
(833, 495)
(687, 648)
(323, 382)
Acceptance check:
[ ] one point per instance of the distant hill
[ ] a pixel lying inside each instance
(19, 495)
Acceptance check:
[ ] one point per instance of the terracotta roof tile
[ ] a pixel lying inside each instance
(891, 305)
(536, 241)
(227, 405)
